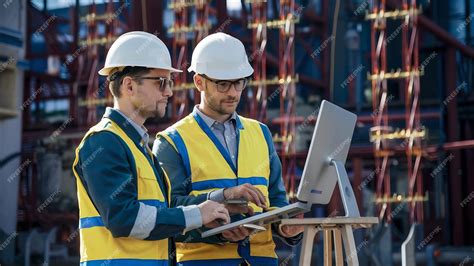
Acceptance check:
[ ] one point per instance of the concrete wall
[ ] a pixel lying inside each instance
(12, 43)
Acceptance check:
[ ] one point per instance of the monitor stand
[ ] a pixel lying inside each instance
(345, 189)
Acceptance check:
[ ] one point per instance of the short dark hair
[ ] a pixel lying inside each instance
(116, 78)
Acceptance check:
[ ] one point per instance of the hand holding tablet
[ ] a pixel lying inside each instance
(238, 206)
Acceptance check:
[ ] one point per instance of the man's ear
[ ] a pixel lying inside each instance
(198, 82)
(127, 86)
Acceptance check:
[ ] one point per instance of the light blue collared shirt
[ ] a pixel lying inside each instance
(225, 132)
(142, 131)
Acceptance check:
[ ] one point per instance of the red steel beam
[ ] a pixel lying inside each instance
(445, 36)
(439, 32)
(394, 117)
(362, 119)
(455, 164)
(367, 151)
(459, 145)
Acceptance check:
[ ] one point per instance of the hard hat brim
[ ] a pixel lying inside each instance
(226, 73)
(106, 70)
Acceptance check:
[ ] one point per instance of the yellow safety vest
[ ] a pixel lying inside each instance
(211, 168)
(98, 246)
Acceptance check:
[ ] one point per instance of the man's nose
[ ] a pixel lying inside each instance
(168, 92)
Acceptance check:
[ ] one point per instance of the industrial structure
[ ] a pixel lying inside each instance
(406, 68)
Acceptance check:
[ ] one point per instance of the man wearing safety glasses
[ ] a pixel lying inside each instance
(213, 153)
(123, 193)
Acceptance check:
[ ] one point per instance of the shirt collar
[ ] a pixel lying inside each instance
(210, 121)
(136, 132)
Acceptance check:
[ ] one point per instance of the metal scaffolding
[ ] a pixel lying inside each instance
(92, 59)
(184, 96)
(180, 42)
(257, 95)
(288, 92)
(379, 96)
(382, 134)
(412, 112)
(96, 44)
(264, 88)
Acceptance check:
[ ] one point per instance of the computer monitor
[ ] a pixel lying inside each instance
(324, 167)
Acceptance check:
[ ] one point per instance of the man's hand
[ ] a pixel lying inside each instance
(213, 214)
(236, 234)
(290, 230)
(237, 209)
(246, 191)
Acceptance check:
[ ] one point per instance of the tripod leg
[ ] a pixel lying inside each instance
(349, 245)
(307, 245)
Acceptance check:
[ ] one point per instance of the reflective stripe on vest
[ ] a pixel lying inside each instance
(97, 245)
(211, 168)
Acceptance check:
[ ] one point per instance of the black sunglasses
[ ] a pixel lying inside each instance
(164, 82)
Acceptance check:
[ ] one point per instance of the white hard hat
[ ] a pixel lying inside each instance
(140, 49)
(221, 56)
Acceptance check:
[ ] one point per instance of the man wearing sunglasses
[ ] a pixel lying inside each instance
(213, 153)
(123, 193)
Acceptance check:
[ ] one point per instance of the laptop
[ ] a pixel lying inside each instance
(323, 168)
